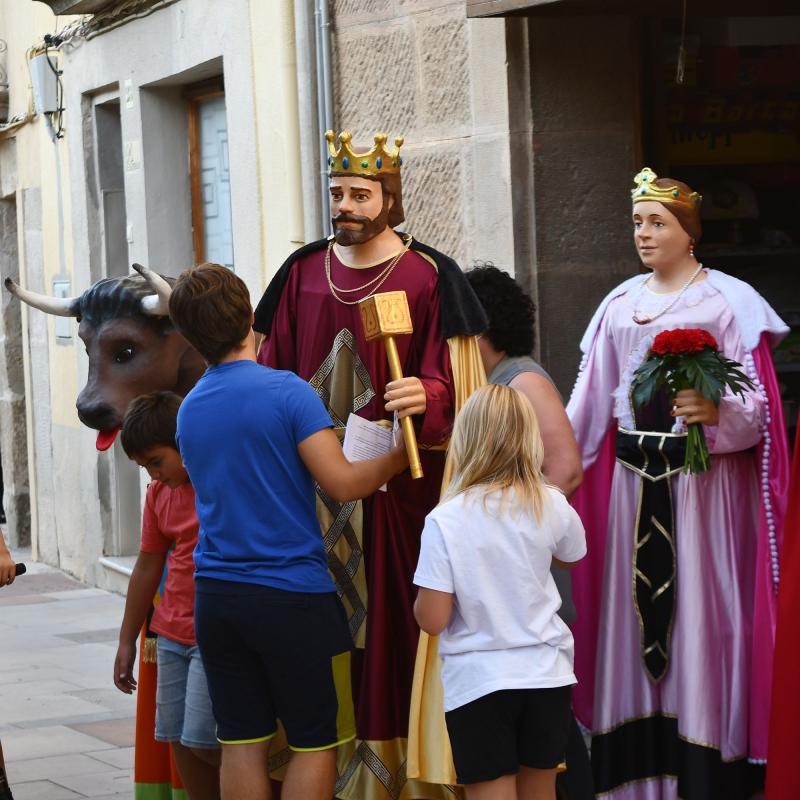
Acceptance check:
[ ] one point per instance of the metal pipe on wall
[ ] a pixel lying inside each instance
(324, 101)
(4, 86)
(305, 48)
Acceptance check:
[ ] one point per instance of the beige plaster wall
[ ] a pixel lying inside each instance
(277, 158)
(79, 496)
(50, 373)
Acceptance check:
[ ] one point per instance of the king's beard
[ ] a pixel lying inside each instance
(370, 228)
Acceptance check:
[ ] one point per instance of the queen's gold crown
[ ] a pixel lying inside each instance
(646, 189)
(378, 160)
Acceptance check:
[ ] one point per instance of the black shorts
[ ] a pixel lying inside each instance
(497, 734)
(270, 654)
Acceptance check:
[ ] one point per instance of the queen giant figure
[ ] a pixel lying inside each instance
(675, 687)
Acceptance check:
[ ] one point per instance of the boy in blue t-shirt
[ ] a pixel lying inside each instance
(272, 632)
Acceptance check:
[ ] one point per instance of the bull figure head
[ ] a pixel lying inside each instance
(133, 347)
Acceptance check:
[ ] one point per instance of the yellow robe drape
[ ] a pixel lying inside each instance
(429, 756)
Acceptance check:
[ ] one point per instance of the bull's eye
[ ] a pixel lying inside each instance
(124, 355)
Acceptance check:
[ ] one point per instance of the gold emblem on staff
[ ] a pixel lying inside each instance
(385, 316)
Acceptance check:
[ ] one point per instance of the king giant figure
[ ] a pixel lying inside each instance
(310, 317)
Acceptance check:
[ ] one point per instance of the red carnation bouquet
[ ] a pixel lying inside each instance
(688, 359)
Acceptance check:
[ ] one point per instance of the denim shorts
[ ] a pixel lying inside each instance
(183, 705)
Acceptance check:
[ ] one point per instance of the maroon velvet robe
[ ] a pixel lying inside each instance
(322, 340)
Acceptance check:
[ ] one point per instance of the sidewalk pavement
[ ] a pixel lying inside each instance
(67, 732)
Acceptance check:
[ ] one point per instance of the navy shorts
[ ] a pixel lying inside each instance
(500, 732)
(275, 655)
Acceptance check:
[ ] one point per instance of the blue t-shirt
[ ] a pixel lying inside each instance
(238, 432)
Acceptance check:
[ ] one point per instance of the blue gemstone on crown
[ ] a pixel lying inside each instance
(644, 190)
(346, 162)
(379, 162)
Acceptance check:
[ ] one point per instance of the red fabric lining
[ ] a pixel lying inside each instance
(591, 501)
(783, 777)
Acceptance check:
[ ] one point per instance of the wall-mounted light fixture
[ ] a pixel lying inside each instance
(44, 77)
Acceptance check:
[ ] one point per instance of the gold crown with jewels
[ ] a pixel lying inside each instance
(379, 160)
(646, 189)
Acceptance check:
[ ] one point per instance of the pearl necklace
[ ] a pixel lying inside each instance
(379, 280)
(645, 319)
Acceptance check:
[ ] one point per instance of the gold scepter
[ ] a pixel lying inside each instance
(385, 316)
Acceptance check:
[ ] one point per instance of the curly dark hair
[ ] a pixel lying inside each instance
(511, 312)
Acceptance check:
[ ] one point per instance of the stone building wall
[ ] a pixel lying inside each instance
(420, 69)
(13, 430)
(585, 103)
(521, 139)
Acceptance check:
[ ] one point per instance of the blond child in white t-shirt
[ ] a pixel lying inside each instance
(486, 590)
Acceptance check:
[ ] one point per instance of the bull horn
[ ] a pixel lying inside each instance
(60, 306)
(155, 305)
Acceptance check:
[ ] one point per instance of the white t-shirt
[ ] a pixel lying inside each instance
(505, 632)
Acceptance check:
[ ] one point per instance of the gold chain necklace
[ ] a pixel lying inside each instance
(387, 268)
(645, 319)
(378, 281)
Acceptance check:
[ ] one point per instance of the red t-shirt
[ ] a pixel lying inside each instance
(170, 519)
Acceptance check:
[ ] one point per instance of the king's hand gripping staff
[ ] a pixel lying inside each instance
(385, 316)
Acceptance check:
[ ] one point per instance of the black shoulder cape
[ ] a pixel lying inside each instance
(461, 311)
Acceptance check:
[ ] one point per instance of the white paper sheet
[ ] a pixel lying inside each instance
(364, 440)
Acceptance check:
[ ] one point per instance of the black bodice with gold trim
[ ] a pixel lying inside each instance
(655, 454)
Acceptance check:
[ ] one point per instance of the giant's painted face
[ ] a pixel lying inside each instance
(132, 347)
(658, 234)
(359, 209)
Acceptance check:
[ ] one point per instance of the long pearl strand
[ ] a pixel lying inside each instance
(645, 319)
(766, 495)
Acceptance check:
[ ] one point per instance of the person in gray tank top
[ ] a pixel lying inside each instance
(505, 350)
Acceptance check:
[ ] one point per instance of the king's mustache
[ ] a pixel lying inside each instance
(351, 218)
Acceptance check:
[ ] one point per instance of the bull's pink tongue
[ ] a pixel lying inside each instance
(106, 438)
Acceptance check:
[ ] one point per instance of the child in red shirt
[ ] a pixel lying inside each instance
(169, 534)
